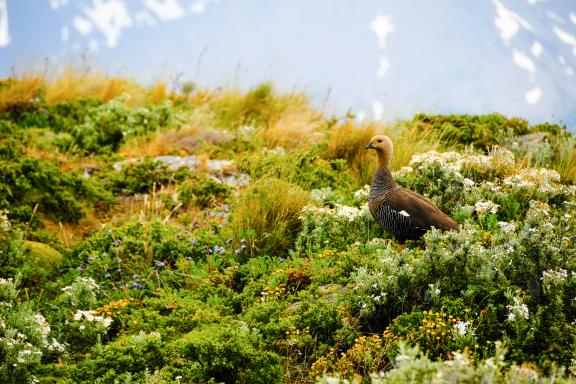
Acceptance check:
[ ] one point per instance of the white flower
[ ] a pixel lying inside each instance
(517, 309)
(434, 289)
(557, 274)
(92, 317)
(468, 183)
(507, 227)
(483, 207)
(4, 222)
(553, 276)
(321, 195)
(363, 192)
(462, 327)
(347, 212)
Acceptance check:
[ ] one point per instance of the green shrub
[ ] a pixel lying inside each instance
(143, 177)
(480, 130)
(222, 354)
(202, 191)
(135, 354)
(31, 184)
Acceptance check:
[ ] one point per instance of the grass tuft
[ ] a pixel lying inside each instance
(20, 91)
(266, 213)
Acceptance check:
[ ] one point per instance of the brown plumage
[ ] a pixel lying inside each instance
(407, 215)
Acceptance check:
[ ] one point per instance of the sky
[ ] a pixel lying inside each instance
(379, 59)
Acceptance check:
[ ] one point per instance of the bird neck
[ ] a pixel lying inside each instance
(384, 161)
(382, 183)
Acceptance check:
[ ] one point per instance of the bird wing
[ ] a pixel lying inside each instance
(421, 211)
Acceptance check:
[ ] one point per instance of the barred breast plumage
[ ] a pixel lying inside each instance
(405, 214)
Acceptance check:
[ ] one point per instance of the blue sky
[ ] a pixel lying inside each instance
(379, 59)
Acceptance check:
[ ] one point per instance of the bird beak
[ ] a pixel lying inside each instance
(369, 145)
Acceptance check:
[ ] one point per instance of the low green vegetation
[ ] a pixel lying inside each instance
(221, 237)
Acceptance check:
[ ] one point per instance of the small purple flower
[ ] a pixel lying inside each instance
(160, 264)
(90, 259)
(136, 285)
(134, 276)
(218, 249)
(239, 250)
(243, 241)
(107, 275)
(194, 241)
(80, 269)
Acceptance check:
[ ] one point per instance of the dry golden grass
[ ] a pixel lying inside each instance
(201, 97)
(267, 213)
(410, 140)
(158, 93)
(295, 127)
(177, 142)
(347, 141)
(73, 84)
(22, 90)
(565, 161)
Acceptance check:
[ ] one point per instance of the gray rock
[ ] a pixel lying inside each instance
(222, 170)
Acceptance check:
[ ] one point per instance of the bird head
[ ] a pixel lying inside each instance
(380, 143)
(384, 147)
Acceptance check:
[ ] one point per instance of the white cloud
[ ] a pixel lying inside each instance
(565, 37)
(523, 61)
(82, 25)
(382, 26)
(361, 116)
(533, 96)
(4, 32)
(166, 10)
(508, 22)
(198, 7)
(145, 17)
(110, 17)
(64, 34)
(561, 59)
(569, 71)
(383, 67)
(573, 17)
(536, 48)
(55, 4)
(555, 17)
(378, 110)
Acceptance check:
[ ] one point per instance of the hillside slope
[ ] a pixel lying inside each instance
(214, 236)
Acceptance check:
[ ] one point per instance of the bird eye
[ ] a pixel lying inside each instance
(379, 141)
